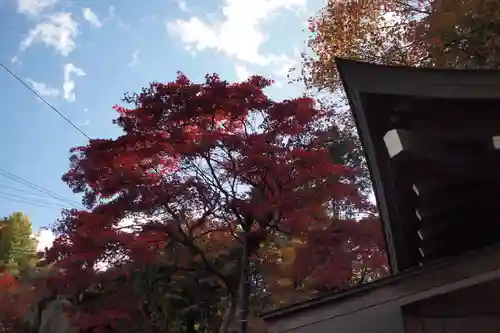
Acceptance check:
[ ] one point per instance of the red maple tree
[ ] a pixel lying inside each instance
(344, 254)
(195, 160)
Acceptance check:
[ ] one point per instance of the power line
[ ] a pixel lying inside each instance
(32, 199)
(20, 179)
(33, 193)
(11, 188)
(29, 202)
(43, 100)
(38, 188)
(52, 194)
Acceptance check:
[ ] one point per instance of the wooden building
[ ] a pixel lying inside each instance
(432, 142)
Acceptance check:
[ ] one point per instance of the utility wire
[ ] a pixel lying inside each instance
(11, 188)
(28, 202)
(27, 192)
(38, 188)
(10, 195)
(20, 179)
(56, 111)
(43, 100)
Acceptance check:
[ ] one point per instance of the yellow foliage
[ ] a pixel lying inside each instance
(288, 254)
(442, 33)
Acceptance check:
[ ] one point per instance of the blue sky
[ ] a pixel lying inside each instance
(82, 55)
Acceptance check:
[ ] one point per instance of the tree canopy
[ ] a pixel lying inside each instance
(17, 245)
(205, 179)
(440, 33)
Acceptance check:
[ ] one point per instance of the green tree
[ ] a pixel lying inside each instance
(17, 246)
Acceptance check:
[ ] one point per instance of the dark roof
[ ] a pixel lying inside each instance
(428, 135)
(442, 179)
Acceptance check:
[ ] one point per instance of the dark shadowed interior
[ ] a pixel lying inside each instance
(438, 187)
(445, 181)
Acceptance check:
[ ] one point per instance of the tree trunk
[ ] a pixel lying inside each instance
(229, 314)
(244, 285)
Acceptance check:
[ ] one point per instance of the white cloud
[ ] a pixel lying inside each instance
(58, 31)
(44, 89)
(135, 58)
(69, 83)
(15, 60)
(242, 72)
(34, 8)
(85, 123)
(112, 15)
(182, 4)
(239, 34)
(91, 17)
(282, 63)
(45, 239)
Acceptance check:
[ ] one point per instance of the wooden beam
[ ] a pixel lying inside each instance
(496, 142)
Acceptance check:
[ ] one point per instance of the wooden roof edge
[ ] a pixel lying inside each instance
(358, 291)
(338, 61)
